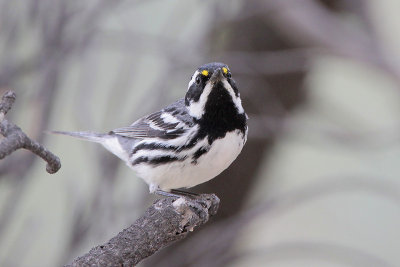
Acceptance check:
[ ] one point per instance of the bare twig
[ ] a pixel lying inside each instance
(15, 138)
(166, 221)
(6, 103)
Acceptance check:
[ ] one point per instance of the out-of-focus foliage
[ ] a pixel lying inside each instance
(317, 183)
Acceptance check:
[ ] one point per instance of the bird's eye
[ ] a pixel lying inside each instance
(229, 75)
(198, 80)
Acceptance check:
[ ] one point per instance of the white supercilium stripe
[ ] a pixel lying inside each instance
(193, 79)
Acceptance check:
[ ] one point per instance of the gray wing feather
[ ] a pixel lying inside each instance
(154, 125)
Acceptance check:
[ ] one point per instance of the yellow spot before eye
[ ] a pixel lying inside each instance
(204, 72)
(225, 70)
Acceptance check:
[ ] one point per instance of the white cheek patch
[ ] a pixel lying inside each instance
(236, 100)
(196, 109)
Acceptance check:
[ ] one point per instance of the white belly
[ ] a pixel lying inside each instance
(186, 174)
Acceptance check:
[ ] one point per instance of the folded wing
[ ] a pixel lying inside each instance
(169, 123)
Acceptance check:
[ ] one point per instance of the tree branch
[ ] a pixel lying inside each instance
(6, 103)
(15, 138)
(166, 221)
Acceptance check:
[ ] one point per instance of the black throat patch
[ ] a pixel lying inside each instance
(220, 115)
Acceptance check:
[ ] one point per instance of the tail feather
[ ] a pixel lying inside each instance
(89, 136)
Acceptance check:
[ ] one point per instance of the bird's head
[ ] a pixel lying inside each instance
(211, 89)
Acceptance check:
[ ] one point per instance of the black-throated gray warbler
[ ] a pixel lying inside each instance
(188, 142)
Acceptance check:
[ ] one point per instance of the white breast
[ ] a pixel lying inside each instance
(181, 174)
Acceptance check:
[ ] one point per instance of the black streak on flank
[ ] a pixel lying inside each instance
(157, 160)
(153, 146)
(161, 146)
(198, 154)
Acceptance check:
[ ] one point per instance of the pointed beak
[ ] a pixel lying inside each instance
(217, 76)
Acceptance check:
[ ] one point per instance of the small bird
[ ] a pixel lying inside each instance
(188, 142)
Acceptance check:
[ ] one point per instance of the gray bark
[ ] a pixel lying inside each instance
(166, 221)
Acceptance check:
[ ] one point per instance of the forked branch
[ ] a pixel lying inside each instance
(15, 138)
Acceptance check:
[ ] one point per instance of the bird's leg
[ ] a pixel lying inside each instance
(184, 193)
(195, 201)
(175, 193)
(191, 199)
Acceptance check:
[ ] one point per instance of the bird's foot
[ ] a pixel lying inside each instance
(176, 193)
